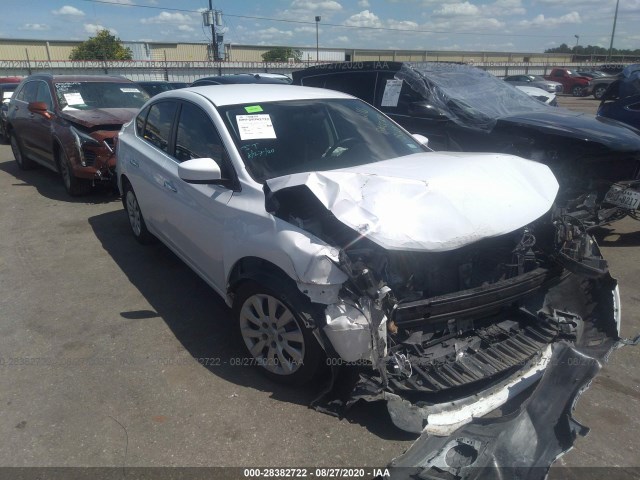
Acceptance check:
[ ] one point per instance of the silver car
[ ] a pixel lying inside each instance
(535, 81)
(340, 240)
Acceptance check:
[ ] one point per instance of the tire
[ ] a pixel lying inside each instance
(134, 214)
(73, 185)
(599, 91)
(577, 91)
(4, 136)
(276, 339)
(23, 162)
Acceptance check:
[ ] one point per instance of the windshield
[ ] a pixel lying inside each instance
(467, 95)
(7, 93)
(280, 138)
(90, 95)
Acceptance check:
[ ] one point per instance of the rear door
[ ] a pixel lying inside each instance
(148, 161)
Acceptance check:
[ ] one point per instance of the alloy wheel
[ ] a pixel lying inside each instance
(272, 334)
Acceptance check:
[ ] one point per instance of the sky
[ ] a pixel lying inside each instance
(474, 25)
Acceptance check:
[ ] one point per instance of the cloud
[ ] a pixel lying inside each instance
(68, 10)
(315, 6)
(505, 8)
(38, 27)
(307, 29)
(342, 39)
(402, 24)
(93, 29)
(542, 21)
(185, 28)
(457, 9)
(364, 19)
(363, 3)
(273, 33)
(166, 17)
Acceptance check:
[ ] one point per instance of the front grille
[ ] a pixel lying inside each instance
(479, 363)
(89, 158)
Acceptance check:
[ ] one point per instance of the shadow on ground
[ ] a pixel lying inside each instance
(49, 185)
(202, 322)
(610, 237)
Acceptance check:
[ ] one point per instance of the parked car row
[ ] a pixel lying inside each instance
(449, 279)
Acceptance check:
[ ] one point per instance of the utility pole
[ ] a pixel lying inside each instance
(615, 19)
(214, 41)
(211, 18)
(317, 43)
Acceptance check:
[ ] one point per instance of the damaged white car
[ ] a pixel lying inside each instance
(445, 280)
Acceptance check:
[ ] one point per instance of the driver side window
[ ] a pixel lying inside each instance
(197, 137)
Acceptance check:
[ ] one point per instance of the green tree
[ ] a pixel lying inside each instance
(103, 46)
(282, 54)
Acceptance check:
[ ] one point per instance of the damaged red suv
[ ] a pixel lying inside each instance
(69, 124)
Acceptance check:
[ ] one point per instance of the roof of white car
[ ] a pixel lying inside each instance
(222, 95)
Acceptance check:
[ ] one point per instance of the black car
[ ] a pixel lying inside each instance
(243, 78)
(459, 107)
(626, 110)
(6, 91)
(621, 101)
(155, 87)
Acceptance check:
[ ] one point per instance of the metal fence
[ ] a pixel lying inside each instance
(189, 71)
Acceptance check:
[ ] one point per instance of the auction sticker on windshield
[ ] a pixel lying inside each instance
(623, 198)
(255, 127)
(74, 98)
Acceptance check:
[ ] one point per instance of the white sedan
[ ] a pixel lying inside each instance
(339, 239)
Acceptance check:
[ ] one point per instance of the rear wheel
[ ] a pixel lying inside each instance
(23, 162)
(136, 220)
(73, 185)
(273, 332)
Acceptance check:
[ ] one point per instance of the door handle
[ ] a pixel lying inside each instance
(170, 186)
(133, 163)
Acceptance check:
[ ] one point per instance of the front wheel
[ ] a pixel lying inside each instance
(598, 92)
(275, 336)
(577, 91)
(73, 185)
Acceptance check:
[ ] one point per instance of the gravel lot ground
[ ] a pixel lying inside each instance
(116, 354)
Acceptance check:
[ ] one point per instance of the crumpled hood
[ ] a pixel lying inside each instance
(610, 133)
(432, 201)
(100, 116)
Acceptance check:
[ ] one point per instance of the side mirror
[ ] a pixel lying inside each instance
(421, 139)
(423, 109)
(40, 108)
(200, 171)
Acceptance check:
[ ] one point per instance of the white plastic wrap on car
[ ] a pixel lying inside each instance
(467, 95)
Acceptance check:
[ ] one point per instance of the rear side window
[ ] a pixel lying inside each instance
(315, 81)
(358, 84)
(157, 130)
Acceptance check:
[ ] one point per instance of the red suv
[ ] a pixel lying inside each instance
(69, 124)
